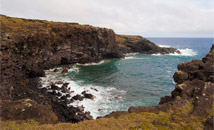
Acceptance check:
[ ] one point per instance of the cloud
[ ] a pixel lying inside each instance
(153, 17)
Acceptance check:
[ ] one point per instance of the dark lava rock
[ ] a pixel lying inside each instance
(63, 98)
(37, 73)
(68, 95)
(209, 125)
(65, 85)
(180, 76)
(165, 99)
(58, 82)
(78, 97)
(65, 71)
(56, 70)
(65, 88)
(94, 89)
(88, 95)
(54, 87)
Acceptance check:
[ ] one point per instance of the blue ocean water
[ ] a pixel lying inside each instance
(136, 80)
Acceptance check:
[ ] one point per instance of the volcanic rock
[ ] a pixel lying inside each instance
(78, 97)
(65, 71)
(88, 95)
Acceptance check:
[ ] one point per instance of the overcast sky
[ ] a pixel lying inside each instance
(149, 18)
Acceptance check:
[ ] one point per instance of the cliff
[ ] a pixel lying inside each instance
(30, 46)
(130, 44)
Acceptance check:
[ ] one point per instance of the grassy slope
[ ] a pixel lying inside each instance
(177, 119)
(17, 28)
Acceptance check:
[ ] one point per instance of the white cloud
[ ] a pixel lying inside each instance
(153, 17)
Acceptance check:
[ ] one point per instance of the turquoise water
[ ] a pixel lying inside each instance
(138, 79)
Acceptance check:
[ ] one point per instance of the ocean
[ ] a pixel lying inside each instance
(136, 80)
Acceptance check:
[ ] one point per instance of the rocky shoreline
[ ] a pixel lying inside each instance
(28, 47)
(195, 85)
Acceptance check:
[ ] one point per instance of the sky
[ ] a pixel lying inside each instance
(148, 18)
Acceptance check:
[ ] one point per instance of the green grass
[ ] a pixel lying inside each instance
(177, 118)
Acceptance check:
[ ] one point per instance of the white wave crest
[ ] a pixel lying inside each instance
(93, 63)
(131, 54)
(157, 54)
(132, 58)
(165, 46)
(184, 52)
(105, 98)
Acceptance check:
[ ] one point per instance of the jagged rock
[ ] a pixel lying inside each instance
(65, 71)
(180, 76)
(58, 82)
(94, 89)
(65, 88)
(88, 95)
(78, 97)
(56, 70)
(54, 87)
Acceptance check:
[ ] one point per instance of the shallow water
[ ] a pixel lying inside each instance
(136, 80)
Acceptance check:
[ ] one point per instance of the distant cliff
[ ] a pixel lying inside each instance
(130, 44)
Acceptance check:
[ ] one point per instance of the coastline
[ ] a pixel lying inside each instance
(24, 61)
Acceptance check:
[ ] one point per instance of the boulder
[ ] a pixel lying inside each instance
(78, 97)
(88, 95)
(64, 71)
(54, 87)
(180, 76)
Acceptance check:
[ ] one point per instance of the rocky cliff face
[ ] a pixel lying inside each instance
(130, 44)
(30, 46)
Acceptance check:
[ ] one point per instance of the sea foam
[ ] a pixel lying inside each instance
(105, 98)
(184, 52)
(93, 63)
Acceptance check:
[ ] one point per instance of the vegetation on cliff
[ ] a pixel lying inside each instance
(178, 118)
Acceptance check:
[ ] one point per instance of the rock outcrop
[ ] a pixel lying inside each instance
(195, 85)
(131, 44)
